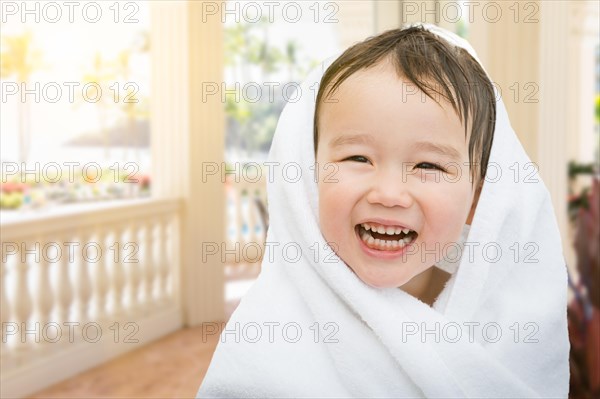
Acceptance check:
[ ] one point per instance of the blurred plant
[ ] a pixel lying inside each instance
(251, 124)
(19, 59)
(30, 191)
(119, 92)
(132, 104)
(462, 28)
(578, 200)
(102, 74)
(11, 195)
(584, 310)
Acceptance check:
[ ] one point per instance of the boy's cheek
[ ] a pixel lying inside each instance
(329, 214)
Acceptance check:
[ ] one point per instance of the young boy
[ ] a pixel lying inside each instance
(409, 132)
(384, 170)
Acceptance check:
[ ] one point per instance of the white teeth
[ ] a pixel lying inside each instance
(389, 230)
(384, 244)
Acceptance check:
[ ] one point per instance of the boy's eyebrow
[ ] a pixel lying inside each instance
(350, 139)
(441, 149)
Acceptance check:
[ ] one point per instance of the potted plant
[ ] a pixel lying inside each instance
(584, 309)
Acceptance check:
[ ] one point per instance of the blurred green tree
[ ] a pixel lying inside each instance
(19, 59)
(252, 58)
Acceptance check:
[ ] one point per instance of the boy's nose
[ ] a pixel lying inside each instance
(389, 192)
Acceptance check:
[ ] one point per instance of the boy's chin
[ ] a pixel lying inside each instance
(383, 281)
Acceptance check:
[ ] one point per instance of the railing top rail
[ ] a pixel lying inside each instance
(83, 216)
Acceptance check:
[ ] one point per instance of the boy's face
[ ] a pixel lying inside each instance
(378, 144)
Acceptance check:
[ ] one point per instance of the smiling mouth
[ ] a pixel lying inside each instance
(385, 238)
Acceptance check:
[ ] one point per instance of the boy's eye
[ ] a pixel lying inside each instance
(429, 165)
(357, 158)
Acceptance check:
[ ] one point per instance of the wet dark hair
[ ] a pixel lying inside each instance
(437, 68)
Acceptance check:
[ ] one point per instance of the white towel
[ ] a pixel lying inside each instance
(372, 342)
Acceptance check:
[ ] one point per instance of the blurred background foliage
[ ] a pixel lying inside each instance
(253, 60)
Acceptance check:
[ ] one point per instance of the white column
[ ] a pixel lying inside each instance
(187, 132)
(527, 54)
(554, 131)
(506, 37)
(357, 21)
(386, 15)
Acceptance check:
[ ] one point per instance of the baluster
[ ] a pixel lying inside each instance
(148, 266)
(259, 227)
(163, 264)
(64, 291)
(83, 286)
(245, 218)
(101, 278)
(253, 216)
(43, 299)
(5, 311)
(118, 276)
(232, 218)
(241, 229)
(131, 257)
(21, 301)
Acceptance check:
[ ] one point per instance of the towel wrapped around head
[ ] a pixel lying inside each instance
(311, 327)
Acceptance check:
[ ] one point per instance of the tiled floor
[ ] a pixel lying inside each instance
(171, 367)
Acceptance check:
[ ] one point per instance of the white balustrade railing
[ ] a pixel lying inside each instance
(246, 227)
(107, 276)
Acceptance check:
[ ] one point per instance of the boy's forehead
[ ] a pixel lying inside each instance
(383, 76)
(386, 74)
